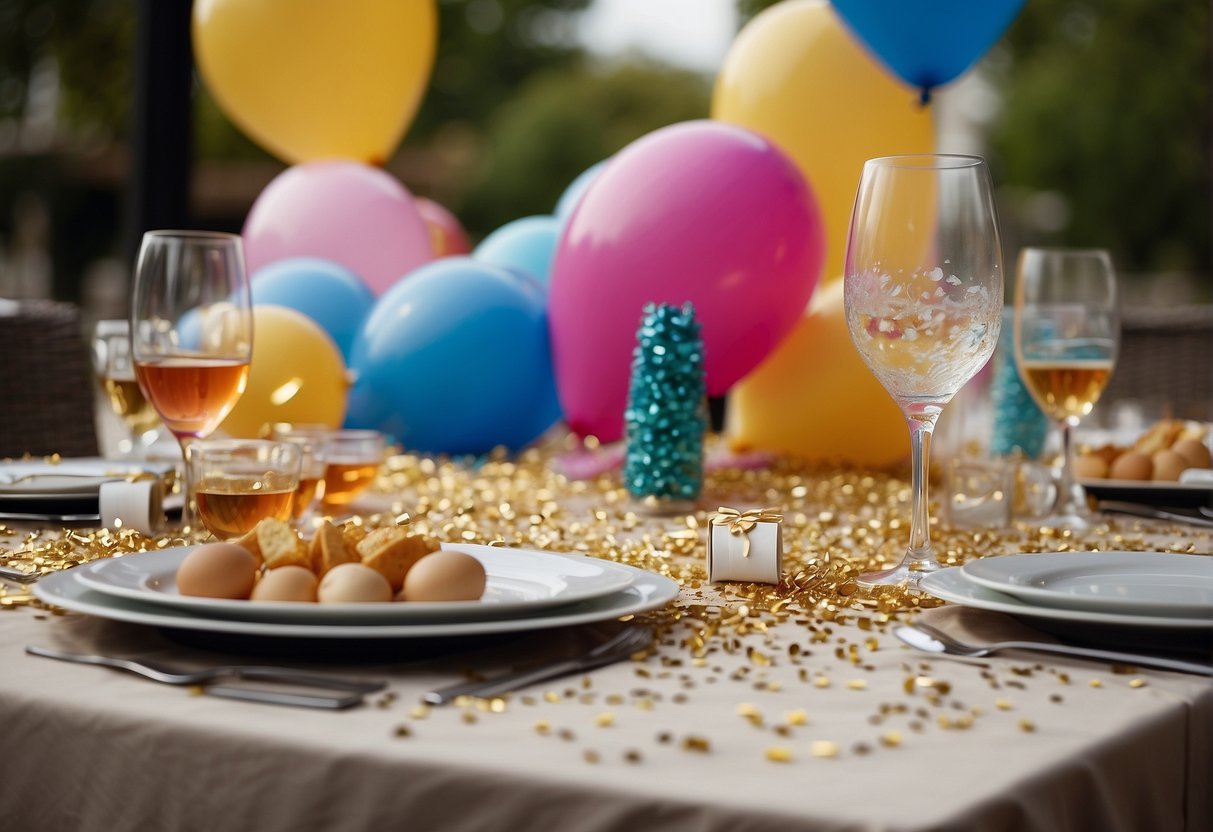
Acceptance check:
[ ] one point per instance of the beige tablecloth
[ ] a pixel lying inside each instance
(906, 742)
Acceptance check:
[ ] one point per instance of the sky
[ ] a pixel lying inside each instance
(691, 33)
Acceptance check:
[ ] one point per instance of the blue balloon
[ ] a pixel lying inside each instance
(528, 244)
(572, 194)
(455, 359)
(928, 42)
(328, 293)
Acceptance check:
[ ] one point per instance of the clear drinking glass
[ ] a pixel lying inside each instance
(115, 372)
(352, 458)
(191, 333)
(923, 293)
(310, 439)
(1066, 332)
(240, 482)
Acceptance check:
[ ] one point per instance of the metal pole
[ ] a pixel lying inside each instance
(158, 191)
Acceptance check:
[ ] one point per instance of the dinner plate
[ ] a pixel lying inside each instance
(518, 582)
(647, 591)
(1178, 494)
(82, 478)
(950, 584)
(1142, 583)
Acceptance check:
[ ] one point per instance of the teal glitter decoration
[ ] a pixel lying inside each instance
(1019, 424)
(667, 406)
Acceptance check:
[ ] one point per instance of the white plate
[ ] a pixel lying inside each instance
(951, 585)
(1141, 583)
(519, 582)
(37, 479)
(65, 589)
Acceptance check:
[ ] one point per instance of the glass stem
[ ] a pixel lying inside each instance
(189, 508)
(1065, 503)
(919, 555)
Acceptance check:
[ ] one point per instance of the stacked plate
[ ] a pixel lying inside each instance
(525, 590)
(67, 491)
(1151, 590)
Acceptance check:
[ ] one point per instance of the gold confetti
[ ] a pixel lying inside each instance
(420, 711)
(403, 731)
(1137, 683)
(1095, 683)
(591, 757)
(891, 739)
(824, 748)
(605, 719)
(857, 684)
(797, 717)
(1027, 725)
(697, 744)
(779, 754)
(543, 727)
(1003, 704)
(821, 682)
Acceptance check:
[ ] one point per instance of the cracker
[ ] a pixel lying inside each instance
(392, 551)
(328, 549)
(280, 546)
(248, 540)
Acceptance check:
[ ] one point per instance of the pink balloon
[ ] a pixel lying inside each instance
(701, 211)
(352, 214)
(447, 237)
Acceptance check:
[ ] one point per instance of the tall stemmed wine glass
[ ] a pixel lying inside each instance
(1066, 332)
(191, 333)
(923, 294)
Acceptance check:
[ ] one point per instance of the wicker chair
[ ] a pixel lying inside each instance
(1166, 357)
(46, 382)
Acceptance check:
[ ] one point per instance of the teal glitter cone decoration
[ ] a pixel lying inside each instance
(667, 413)
(1019, 425)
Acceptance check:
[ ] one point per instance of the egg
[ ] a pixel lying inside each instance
(286, 583)
(353, 583)
(1194, 452)
(1131, 465)
(217, 570)
(445, 575)
(1168, 465)
(1090, 467)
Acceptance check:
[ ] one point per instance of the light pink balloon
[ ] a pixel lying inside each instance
(347, 212)
(701, 211)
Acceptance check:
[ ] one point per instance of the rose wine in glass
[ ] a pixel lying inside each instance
(923, 293)
(240, 482)
(191, 333)
(1066, 332)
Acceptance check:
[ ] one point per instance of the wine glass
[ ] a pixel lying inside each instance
(115, 373)
(923, 295)
(352, 459)
(191, 333)
(1066, 332)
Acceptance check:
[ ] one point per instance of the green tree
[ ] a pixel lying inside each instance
(560, 122)
(1106, 103)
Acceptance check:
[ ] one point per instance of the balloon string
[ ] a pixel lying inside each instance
(924, 99)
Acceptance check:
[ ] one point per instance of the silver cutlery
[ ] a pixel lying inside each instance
(618, 648)
(931, 640)
(1139, 510)
(17, 576)
(345, 692)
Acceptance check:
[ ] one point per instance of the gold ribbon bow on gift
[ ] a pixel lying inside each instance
(741, 523)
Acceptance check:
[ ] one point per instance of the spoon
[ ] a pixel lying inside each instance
(929, 639)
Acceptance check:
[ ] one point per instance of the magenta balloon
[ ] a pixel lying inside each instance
(352, 214)
(701, 211)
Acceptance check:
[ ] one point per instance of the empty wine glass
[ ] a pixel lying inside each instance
(923, 293)
(191, 333)
(1066, 332)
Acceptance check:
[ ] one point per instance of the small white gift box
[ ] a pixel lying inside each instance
(745, 546)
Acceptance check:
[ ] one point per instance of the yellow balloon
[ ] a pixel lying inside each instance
(796, 75)
(815, 398)
(296, 375)
(313, 79)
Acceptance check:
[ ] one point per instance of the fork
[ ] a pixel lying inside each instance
(932, 640)
(158, 673)
(615, 649)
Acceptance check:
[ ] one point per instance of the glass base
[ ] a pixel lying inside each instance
(908, 574)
